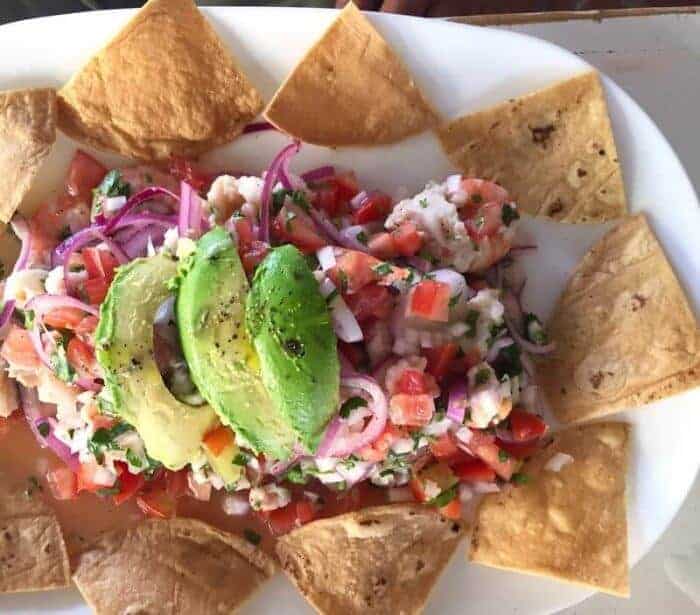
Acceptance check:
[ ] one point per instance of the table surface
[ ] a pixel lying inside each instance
(656, 59)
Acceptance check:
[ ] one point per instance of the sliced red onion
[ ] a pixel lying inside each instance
(184, 218)
(31, 407)
(326, 258)
(357, 201)
(337, 442)
(258, 127)
(498, 345)
(147, 219)
(318, 174)
(137, 245)
(62, 451)
(457, 401)
(41, 304)
(270, 180)
(35, 337)
(135, 201)
(235, 504)
(115, 249)
(62, 252)
(88, 384)
(526, 344)
(329, 229)
(420, 264)
(21, 229)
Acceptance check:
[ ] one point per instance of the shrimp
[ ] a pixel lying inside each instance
(480, 191)
(491, 232)
(18, 350)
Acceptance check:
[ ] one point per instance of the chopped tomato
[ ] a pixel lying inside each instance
(407, 240)
(383, 246)
(526, 426)
(379, 449)
(353, 270)
(99, 264)
(429, 300)
(62, 483)
(156, 503)
(298, 230)
(284, 520)
(519, 450)
(186, 170)
(346, 185)
(440, 359)
(244, 232)
(84, 174)
(486, 222)
(333, 194)
(475, 471)
(444, 447)
(412, 382)
(375, 206)
(176, 484)
(95, 290)
(484, 446)
(89, 479)
(218, 439)
(86, 328)
(129, 484)
(355, 353)
(371, 301)
(413, 410)
(431, 481)
(64, 318)
(452, 510)
(82, 358)
(255, 255)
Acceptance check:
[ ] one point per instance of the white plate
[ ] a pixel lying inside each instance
(461, 68)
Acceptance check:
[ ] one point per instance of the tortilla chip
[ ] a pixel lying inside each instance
(27, 133)
(175, 566)
(378, 560)
(33, 555)
(165, 85)
(552, 149)
(624, 332)
(570, 524)
(350, 89)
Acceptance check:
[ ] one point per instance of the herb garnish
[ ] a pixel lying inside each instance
(471, 321)
(350, 404)
(59, 362)
(362, 237)
(383, 269)
(241, 459)
(252, 536)
(509, 214)
(445, 497)
(520, 478)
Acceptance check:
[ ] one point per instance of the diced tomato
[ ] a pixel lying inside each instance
(383, 246)
(444, 447)
(371, 301)
(353, 270)
(99, 264)
(485, 447)
(375, 206)
(430, 300)
(244, 232)
(64, 318)
(486, 222)
(86, 328)
(218, 439)
(379, 449)
(452, 510)
(284, 520)
(412, 382)
(407, 240)
(298, 230)
(346, 184)
(96, 290)
(355, 353)
(413, 410)
(176, 484)
(186, 170)
(82, 358)
(440, 359)
(432, 480)
(88, 478)
(519, 450)
(475, 471)
(326, 198)
(129, 484)
(84, 174)
(526, 426)
(63, 483)
(255, 255)
(157, 503)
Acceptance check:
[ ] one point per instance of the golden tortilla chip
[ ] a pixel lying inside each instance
(624, 332)
(552, 149)
(569, 524)
(175, 566)
(166, 84)
(378, 560)
(33, 555)
(27, 133)
(350, 89)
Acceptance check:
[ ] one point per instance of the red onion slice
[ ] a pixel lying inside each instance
(21, 229)
(316, 175)
(457, 401)
(62, 451)
(35, 337)
(258, 127)
(270, 181)
(41, 304)
(526, 344)
(420, 264)
(325, 224)
(135, 201)
(31, 407)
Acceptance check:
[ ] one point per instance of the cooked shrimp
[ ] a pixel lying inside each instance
(477, 192)
(492, 233)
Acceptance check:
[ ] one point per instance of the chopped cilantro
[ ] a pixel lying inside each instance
(453, 300)
(343, 279)
(59, 363)
(423, 203)
(503, 456)
(427, 256)
(252, 536)
(509, 214)
(383, 269)
(362, 237)
(508, 361)
(109, 491)
(291, 216)
(111, 185)
(296, 475)
(495, 331)
(350, 404)
(44, 429)
(445, 497)
(241, 459)
(534, 331)
(331, 296)
(476, 198)
(482, 376)
(133, 458)
(298, 197)
(29, 319)
(471, 321)
(104, 438)
(520, 479)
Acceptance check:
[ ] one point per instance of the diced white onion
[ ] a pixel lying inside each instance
(482, 487)
(326, 257)
(235, 505)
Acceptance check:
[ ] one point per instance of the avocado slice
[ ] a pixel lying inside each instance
(210, 312)
(290, 325)
(171, 430)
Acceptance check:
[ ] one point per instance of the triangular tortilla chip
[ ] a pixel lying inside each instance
(350, 89)
(624, 332)
(553, 150)
(33, 555)
(175, 566)
(27, 132)
(166, 84)
(384, 559)
(568, 520)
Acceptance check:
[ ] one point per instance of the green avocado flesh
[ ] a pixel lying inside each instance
(290, 325)
(172, 431)
(223, 364)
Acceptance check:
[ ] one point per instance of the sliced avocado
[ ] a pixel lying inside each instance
(290, 325)
(210, 313)
(172, 431)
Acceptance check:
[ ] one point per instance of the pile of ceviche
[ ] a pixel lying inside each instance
(287, 346)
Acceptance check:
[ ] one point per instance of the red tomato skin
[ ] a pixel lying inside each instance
(371, 301)
(452, 510)
(64, 318)
(526, 426)
(412, 382)
(82, 358)
(99, 264)
(176, 483)
(84, 174)
(297, 231)
(95, 290)
(283, 520)
(353, 271)
(519, 450)
(430, 300)
(444, 447)
(440, 359)
(407, 239)
(383, 246)
(156, 503)
(129, 484)
(484, 447)
(374, 207)
(186, 170)
(474, 471)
